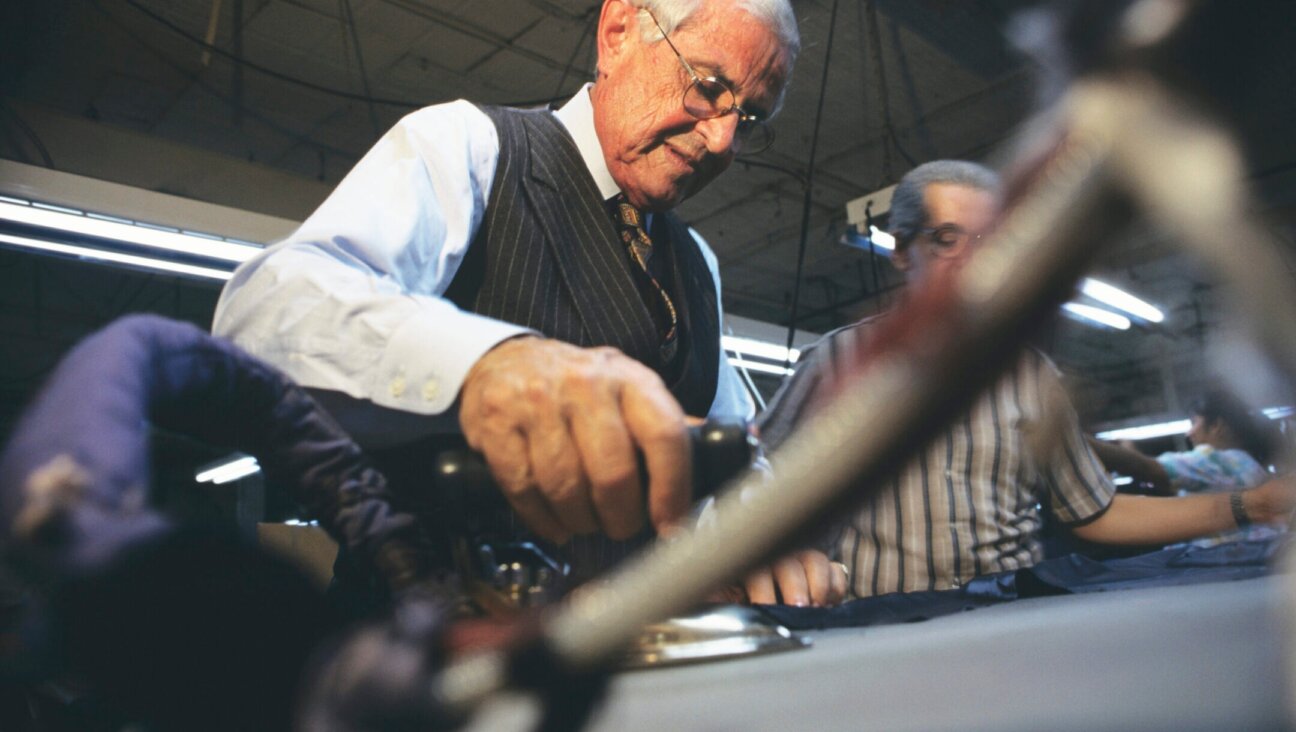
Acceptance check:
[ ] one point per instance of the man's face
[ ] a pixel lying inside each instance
(1197, 432)
(657, 152)
(956, 216)
(1215, 433)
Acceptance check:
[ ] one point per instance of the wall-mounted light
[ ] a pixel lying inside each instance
(1121, 300)
(1148, 431)
(227, 469)
(1097, 315)
(74, 233)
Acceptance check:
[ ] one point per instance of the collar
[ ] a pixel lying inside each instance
(577, 115)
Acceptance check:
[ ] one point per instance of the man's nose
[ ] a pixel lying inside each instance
(720, 133)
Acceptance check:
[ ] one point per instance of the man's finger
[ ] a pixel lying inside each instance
(612, 468)
(818, 574)
(792, 584)
(656, 425)
(559, 472)
(840, 582)
(507, 457)
(760, 587)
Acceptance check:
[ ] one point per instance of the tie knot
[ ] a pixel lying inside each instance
(626, 213)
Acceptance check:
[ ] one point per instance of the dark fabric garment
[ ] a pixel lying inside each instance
(173, 624)
(548, 256)
(96, 409)
(1061, 576)
(1169, 567)
(897, 607)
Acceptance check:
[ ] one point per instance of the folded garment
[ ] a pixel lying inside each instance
(1182, 565)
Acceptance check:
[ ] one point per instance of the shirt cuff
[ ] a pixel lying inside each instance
(425, 363)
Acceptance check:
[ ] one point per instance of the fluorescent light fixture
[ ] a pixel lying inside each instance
(1176, 427)
(881, 242)
(759, 349)
(1121, 300)
(70, 221)
(105, 255)
(1098, 315)
(1148, 431)
(881, 239)
(763, 368)
(227, 470)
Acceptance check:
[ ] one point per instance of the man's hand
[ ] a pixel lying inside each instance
(1271, 502)
(562, 428)
(805, 578)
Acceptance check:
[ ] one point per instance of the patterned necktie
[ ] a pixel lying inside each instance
(629, 221)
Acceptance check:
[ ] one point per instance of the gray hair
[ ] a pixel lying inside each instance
(776, 15)
(908, 211)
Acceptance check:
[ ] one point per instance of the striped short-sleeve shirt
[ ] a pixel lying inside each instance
(969, 503)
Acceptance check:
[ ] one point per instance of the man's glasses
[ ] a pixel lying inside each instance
(707, 97)
(949, 240)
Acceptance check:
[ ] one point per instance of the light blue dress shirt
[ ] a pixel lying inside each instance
(350, 305)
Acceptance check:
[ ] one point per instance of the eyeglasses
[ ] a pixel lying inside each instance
(707, 97)
(949, 239)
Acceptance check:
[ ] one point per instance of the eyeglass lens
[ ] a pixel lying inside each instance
(709, 98)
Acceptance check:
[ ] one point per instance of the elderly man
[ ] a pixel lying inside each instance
(968, 503)
(518, 274)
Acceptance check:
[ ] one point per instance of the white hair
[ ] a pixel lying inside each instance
(776, 15)
(908, 204)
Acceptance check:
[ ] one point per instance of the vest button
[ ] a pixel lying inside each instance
(429, 390)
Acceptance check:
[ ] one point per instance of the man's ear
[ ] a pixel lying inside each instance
(900, 258)
(616, 21)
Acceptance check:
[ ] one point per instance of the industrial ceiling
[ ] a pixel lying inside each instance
(263, 105)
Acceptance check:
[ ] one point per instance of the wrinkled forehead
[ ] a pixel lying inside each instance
(955, 203)
(728, 42)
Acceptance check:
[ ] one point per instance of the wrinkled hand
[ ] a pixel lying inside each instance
(1271, 502)
(805, 578)
(562, 427)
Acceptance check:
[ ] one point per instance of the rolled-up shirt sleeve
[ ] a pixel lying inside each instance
(1079, 489)
(352, 301)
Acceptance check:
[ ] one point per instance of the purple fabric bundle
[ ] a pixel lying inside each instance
(71, 514)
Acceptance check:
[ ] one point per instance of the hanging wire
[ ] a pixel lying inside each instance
(809, 187)
(242, 62)
(197, 81)
(350, 24)
(30, 133)
(587, 32)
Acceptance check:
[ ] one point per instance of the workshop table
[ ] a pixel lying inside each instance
(1207, 656)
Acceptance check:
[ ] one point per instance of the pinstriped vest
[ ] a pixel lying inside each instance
(547, 256)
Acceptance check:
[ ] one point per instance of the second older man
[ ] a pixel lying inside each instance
(518, 274)
(969, 502)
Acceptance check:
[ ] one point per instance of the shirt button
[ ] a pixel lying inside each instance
(429, 390)
(397, 387)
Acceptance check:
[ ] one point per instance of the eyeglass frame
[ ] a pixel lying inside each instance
(695, 78)
(966, 239)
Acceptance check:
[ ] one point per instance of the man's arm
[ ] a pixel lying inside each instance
(351, 303)
(1132, 463)
(1136, 520)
